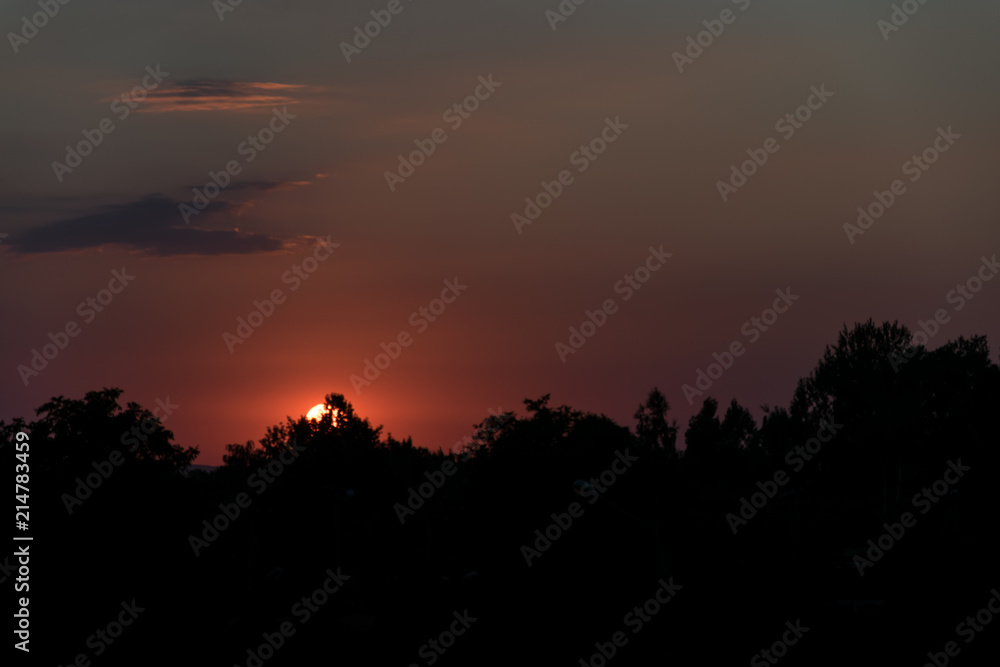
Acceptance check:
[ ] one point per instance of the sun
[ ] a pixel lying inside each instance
(317, 411)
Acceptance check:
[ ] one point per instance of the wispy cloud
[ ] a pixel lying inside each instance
(207, 95)
(266, 186)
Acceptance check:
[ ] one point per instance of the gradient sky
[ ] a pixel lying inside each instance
(323, 176)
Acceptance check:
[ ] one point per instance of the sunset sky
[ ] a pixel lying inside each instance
(608, 67)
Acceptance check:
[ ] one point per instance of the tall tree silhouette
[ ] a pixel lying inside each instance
(652, 427)
(739, 430)
(856, 383)
(701, 439)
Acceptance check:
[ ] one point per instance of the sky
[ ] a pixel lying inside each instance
(629, 130)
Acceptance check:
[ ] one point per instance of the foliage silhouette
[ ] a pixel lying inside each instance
(335, 505)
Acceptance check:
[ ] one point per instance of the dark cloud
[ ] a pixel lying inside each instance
(153, 225)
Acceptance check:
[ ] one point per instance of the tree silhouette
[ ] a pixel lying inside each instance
(75, 432)
(335, 486)
(703, 434)
(652, 427)
(738, 429)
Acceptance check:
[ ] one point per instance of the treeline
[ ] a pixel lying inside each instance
(549, 527)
